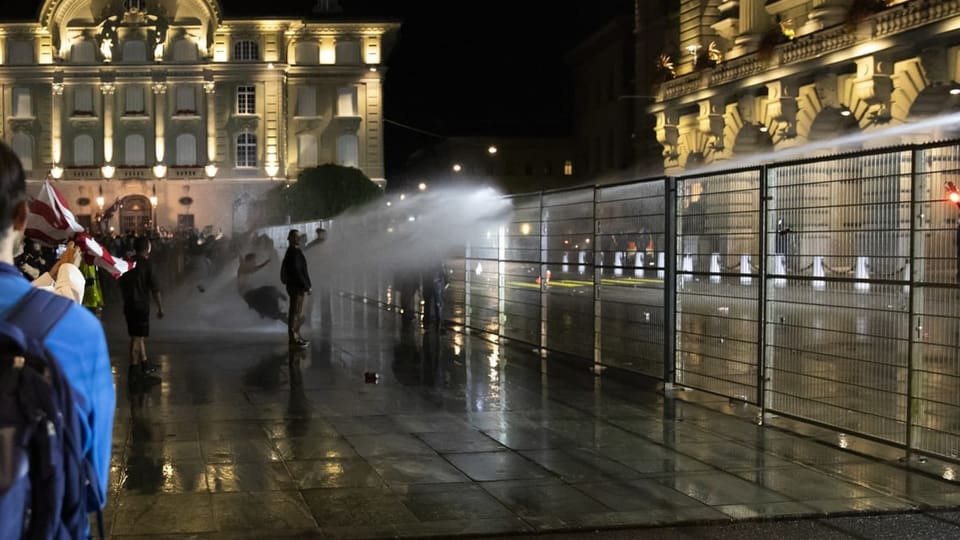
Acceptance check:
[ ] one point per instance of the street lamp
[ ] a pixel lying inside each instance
(422, 186)
(457, 167)
(492, 150)
(153, 208)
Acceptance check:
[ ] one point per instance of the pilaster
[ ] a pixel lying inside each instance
(108, 90)
(160, 121)
(209, 89)
(56, 124)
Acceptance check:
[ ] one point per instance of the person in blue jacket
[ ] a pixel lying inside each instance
(77, 341)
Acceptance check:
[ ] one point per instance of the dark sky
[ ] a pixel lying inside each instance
(462, 67)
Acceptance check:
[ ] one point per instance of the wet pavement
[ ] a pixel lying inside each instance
(462, 436)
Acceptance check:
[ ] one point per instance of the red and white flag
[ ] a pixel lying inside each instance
(50, 222)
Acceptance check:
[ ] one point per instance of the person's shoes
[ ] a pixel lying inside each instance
(149, 367)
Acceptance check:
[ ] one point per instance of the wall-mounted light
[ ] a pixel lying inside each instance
(159, 170)
(763, 128)
(272, 168)
(492, 150)
(403, 196)
(100, 197)
(153, 198)
(108, 171)
(845, 112)
(211, 170)
(56, 172)
(373, 69)
(955, 91)
(457, 167)
(422, 186)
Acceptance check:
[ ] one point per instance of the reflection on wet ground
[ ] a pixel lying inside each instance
(244, 439)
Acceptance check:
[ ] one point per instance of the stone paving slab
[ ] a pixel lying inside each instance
(461, 436)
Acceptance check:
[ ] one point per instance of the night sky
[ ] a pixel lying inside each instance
(492, 67)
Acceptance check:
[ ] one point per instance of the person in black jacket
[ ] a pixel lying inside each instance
(293, 274)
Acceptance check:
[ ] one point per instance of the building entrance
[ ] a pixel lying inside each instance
(135, 215)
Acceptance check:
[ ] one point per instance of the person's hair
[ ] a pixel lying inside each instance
(141, 244)
(13, 186)
(293, 233)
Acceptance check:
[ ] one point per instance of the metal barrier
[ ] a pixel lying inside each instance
(825, 290)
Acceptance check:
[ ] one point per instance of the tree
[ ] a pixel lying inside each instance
(322, 192)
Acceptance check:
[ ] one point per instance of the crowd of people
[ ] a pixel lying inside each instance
(53, 350)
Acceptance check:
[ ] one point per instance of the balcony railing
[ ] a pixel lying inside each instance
(898, 19)
(182, 172)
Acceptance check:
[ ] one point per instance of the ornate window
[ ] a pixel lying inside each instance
(307, 101)
(186, 150)
(134, 51)
(83, 151)
(134, 151)
(246, 51)
(184, 50)
(21, 103)
(247, 99)
(246, 150)
(83, 52)
(348, 52)
(308, 150)
(133, 97)
(83, 101)
(347, 101)
(348, 151)
(23, 147)
(306, 52)
(186, 100)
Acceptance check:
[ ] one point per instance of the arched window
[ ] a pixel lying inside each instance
(246, 150)
(306, 52)
(308, 150)
(134, 151)
(246, 51)
(348, 151)
(184, 50)
(348, 52)
(83, 151)
(134, 51)
(83, 52)
(23, 147)
(186, 150)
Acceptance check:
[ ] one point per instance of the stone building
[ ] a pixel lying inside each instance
(764, 75)
(182, 113)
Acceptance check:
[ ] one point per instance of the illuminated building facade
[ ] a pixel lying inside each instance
(182, 113)
(749, 76)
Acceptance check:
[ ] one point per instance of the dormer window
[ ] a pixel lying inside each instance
(246, 51)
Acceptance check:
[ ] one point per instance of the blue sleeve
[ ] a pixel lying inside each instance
(79, 344)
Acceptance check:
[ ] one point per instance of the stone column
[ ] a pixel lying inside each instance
(824, 14)
(754, 22)
(56, 125)
(108, 90)
(209, 88)
(160, 121)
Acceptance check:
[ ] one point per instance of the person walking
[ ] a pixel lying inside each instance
(137, 285)
(294, 274)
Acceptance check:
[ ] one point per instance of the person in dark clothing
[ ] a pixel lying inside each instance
(137, 285)
(31, 262)
(293, 274)
(434, 282)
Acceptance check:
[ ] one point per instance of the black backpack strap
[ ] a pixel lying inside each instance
(37, 313)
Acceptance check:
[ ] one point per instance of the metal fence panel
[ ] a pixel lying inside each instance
(630, 225)
(718, 243)
(837, 332)
(935, 411)
(567, 300)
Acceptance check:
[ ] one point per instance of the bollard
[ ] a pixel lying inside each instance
(661, 262)
(687, 267)
(618, 263)
(780, 269)
(818, 284)
(745, 277)
(565, 260)
(861, 275)
(715, 268)
(638, 264)
(582, 263)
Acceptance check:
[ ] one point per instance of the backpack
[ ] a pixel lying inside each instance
(47, 487)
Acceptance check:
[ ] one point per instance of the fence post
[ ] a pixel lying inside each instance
(597, 283)
(911, 301)
(762, 293)
(670, 281)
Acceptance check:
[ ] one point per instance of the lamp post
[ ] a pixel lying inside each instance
(153, 208)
